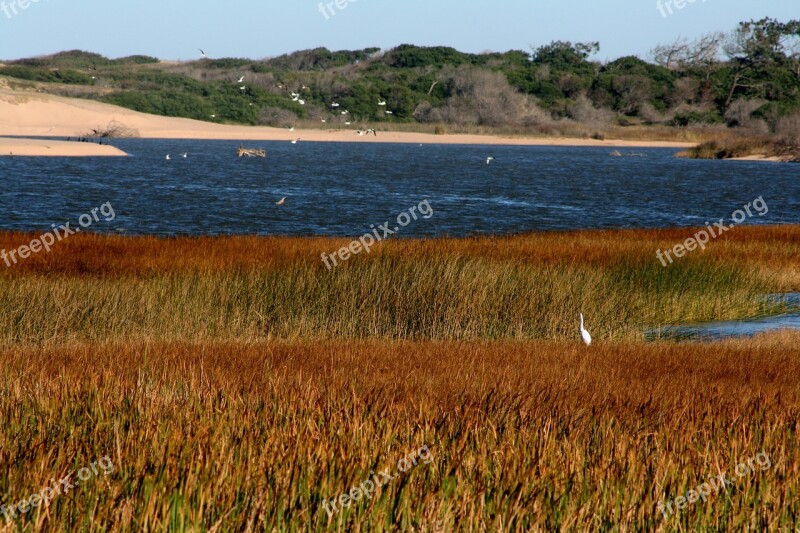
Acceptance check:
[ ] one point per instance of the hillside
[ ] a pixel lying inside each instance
(745, 83)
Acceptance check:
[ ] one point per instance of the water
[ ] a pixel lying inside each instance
(343, 188)
(732, 329)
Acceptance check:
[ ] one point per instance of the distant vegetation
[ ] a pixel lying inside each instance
(747, 80)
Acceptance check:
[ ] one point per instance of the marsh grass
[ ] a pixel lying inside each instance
(105, 288)
(525, 435)
(236, 383)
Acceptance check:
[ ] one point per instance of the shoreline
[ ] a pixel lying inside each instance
(24, 147)
(29, 115)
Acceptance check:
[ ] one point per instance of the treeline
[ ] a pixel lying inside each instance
(748, 78)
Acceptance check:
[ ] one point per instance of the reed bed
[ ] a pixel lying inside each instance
(523, 435)
(522, 287)
(236, 384)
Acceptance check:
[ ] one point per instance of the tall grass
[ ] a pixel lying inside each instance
(524, 435)
(407, 290)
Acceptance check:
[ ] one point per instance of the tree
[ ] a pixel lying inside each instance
(765, 57)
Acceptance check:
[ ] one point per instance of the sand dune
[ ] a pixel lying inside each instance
(29, 114)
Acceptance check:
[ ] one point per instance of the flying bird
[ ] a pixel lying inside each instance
(489, 160)
(202, 53)
(281, 201)
(167, 158)
(240, 80)
(381, 103)
(185, 155)
(587, 339)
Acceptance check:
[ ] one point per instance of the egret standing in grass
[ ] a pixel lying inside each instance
(587, 339)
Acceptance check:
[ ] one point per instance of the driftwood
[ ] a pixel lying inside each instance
(252, 152)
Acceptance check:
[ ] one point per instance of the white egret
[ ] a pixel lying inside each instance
(587, 339)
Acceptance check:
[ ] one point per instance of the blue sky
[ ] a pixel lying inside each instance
(174, 29)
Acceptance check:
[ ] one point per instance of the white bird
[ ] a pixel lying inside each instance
(281, 201)
(587, 339)
(295, 95)
(345, 112)
(202, 53)
(243, 88)
(334, 104)
(185, 155)
(240, 80)
(291, 129)
(381, 103)
(323, 120)
(295, 141)
(167, 158)
(361, 133)
(347, 123)
(213, 116)
(301, 102)
(389, 113)
(489, 160)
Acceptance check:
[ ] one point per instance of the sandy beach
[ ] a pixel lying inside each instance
(24, 114)
(47, 147)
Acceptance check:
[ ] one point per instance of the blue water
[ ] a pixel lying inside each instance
(343, 188)
(738, 328)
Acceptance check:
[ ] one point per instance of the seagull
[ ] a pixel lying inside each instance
(381, 103)
(295, 141)
(240, 80)
(587, 339)
(281, 201)
(202, 53)
(185, 155)
(167, 157)
(489, 160)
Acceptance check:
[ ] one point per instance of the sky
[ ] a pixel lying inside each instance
(255, 29)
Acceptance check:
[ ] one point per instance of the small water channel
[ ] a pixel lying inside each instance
(712, 331)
